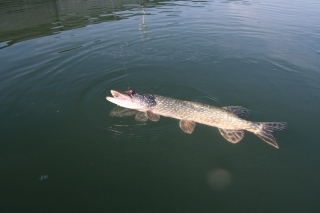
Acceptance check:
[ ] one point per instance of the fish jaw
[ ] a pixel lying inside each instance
(123, 99)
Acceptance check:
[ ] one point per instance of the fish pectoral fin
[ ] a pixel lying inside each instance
(187, 126)
(141, 116)
(152, 116)
(240, 111)
(233, 136)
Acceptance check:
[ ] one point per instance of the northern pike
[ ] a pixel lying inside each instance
(229, 120)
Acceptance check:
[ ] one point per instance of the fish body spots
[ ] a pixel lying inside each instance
(147, 100)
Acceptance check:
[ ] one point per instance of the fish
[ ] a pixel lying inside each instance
(230, 120)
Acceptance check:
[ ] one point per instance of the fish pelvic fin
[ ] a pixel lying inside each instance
(233, 136)
(265, 130)
(187, 126)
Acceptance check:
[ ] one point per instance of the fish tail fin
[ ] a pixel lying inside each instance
(265, 130)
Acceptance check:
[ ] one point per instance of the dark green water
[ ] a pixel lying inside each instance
(60, 151)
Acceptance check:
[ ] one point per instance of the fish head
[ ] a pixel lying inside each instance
(132, 100)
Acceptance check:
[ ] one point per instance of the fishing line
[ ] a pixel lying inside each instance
(123, 61)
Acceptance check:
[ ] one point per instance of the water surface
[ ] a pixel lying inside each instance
(60, 150)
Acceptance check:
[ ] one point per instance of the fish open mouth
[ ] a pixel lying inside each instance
(124, 99)
(118, 97)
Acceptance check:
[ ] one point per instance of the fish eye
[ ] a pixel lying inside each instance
(132, 92)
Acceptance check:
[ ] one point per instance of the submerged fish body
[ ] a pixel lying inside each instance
(230, 121)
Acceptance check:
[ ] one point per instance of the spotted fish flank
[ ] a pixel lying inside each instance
(229, 120)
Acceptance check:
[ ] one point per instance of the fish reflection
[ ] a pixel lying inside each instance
(119, 111)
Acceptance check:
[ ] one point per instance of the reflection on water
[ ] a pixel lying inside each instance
(143, 27)
(121, 112)
(40, 18)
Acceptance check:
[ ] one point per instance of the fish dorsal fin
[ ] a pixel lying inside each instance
(233, 136)
(152, 116)
(141, 116)
(240, 111)
(187, 126)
